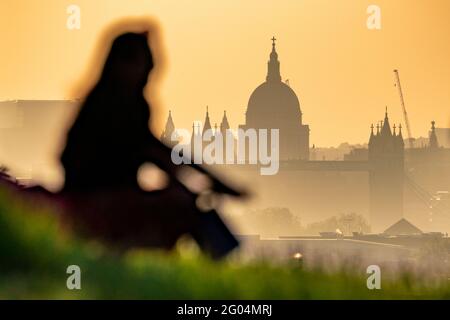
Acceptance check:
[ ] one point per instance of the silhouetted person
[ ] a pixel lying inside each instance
(108, 142)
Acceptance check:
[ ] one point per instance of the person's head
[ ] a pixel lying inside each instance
(129, 62)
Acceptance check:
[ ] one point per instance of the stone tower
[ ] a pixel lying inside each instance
(386, 170)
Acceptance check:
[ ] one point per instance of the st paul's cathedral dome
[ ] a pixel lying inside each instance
(274, 105)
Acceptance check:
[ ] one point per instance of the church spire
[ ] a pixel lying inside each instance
(168, 130)
(386, 128)
(399, 136)
(169, 123)
(273, 66)
(433, 138)
(193, 133)
(207, 124)
(224, 125)
(372, 136)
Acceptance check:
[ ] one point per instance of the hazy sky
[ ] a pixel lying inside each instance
(218, 50)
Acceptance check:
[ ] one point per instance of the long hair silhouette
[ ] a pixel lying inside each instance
(103, 146)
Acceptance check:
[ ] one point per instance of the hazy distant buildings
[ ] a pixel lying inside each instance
(383, 180)
(199, 140)
(443, 136)
(31, 132)
(385, 169)
(272, 105)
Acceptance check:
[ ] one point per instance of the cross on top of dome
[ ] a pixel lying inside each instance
(273, 72)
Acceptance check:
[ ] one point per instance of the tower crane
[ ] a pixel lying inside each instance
(405, 114)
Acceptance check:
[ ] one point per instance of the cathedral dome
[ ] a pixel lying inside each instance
(273, 103)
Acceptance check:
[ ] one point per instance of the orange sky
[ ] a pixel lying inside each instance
(218, 50)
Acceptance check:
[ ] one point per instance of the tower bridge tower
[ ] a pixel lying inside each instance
(386, 175)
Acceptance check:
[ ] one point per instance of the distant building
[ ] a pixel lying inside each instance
(443, 136)
(433, 140)
(274, 105)
(386, 171)
(169, 129)
(198, 135)
(357, 154)
(31, 133)
(402, 227)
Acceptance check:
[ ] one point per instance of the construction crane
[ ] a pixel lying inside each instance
(405, 114)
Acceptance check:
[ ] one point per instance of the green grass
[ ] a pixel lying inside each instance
(35, 252)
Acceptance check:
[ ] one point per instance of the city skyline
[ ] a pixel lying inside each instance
(341, 70)
(277, 149)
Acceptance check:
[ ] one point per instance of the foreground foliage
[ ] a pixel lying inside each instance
(35, 253)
